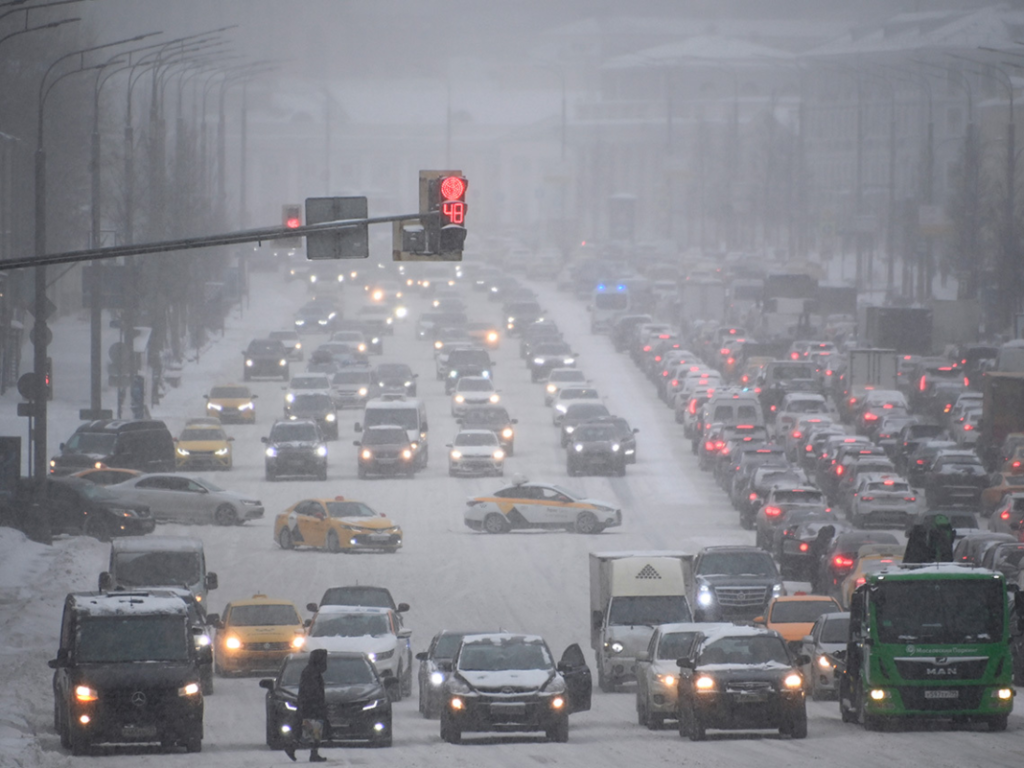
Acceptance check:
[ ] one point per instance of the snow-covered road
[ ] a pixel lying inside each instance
(452, 577)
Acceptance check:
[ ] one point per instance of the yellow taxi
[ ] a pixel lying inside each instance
(101, 474)
(872, 558)
(203, 446)
(484, 334)
(232, 402)
(255, 635)
(793, 616)
(337, 525)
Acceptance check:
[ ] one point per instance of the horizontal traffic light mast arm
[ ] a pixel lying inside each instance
(205, 241)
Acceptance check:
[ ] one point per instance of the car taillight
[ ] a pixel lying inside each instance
(1005, 514)
(861, 580)
(1015, 465)
(853, 401)
(794, 355)
(724, 351)
(772, 511)
(923, 384)
(841, 561)
(730, 361)
(752, 497)
(709, 446)
(693, 407)
(804, 546)
(840, 469)
(910, 498)
(808, 448)
(920, 462)
(719, 444)
(773, 409)
(796, 434)
(869, 416)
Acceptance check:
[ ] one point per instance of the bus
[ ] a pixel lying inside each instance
(931, 640)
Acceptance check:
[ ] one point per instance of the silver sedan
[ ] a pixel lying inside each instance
(175, 498)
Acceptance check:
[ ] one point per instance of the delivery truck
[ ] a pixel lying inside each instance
(868, 369)
(630, 594)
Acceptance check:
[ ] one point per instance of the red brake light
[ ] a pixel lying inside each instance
(744, 426)
(730, 361)
(887, 482)
(968, 427)
(773, 409)
(1015, 465)
(861, 580)
(794, 355)
(657, 358)
(869, 416)
(867, 498)
(923, 385)
(839, 469)
(752, 497)
(647, 348)
(675, 382)
(724, 351)
(772, 511)
(808, 447)
(853, 401)
(1005, 515)
(841, 561)
(920, 461)
(796, 434)
(693, 406)
(709, 446)
(910, 498)
(804, 546)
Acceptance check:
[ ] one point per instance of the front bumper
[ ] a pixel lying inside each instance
(261, 657)
(233, 414)
(164, 716)
(749, 710)
(296, 464)
(940, 701)
(472, 465)
(202, 460)
(507, 713)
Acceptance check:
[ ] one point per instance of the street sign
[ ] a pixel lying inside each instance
(350, 243)
(32, 386)
(28, 409)
(88, 414)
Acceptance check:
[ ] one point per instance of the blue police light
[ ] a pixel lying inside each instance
(602, 287)
(620, 287)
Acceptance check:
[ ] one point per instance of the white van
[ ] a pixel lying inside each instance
(406, 412)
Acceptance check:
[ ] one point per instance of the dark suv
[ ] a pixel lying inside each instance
(265, 357)
(385, 450)
(127, 669)
(467, 362)
(318, 406)
(595, 445)
(494, 418)
(143, 444)
(734, 583)
(395, 378)
(296, 447)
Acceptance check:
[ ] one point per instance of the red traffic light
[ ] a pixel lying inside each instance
(453, 188)
(293, 222)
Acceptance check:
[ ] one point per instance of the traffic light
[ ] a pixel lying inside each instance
(48, 379)
(291, 217)
(448, 198)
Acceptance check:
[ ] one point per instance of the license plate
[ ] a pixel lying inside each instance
(133, 731)
(380, 537)
(942, 694)
(508, 710)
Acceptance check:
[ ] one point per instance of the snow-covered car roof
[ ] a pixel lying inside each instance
(157, 543)
(343, 609)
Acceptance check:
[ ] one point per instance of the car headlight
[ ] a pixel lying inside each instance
(507, 433)
(460, 399)
(190, 689)
(215, 406)
(668, 681)
(271, 452)
(248, 363)
(704, 683)
(298, 345)
(321, 450)
(453, 374)
(85, 693)
(375, 340)
(538, 361)
(569, 360)
(203, 640)
(407, 454)
(578, 447)
(551, 388)
(401, 312)
(498, 455)
(371, 705)
(778, 590)
(361, 347)
(363, 391)
(232, 643)
(878, 694)
(824, 663)
(561, 408)
(492, 336)
(705, 596)
(300, 322)
(456, 454)
(290, 706)
(793, 681)
(247, 406)
(290, 397)
(615, 647)
(183, 452)
(222, 451)
(298, 641)
(616, 447)
(436, 679)
(438, 344)
(330, 417)
(282, 362)
(570, 429)
(511, 320)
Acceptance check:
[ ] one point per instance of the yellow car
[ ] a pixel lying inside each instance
(203, 446)
(484, 334)
(793, 616)
(337, 525)
(101, 474)
(255, 635)
(232, 402)
(872, 558)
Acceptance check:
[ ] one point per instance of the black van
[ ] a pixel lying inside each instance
(141, 444)
(127, 670)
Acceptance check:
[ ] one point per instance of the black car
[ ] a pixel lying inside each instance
(395, 378)
(494, 418)
(74, 505)
(506, 682)
(519, 314)
(127, 670)
(920, 461)
(435, 665)
(575, 414)
(734, 583)
(385, 450)
(595, 446)
(316, 317)
(794, 544)
(955, 478)
(467, 362)
(267, 358)
(358, 707)
(741, 679)
(295, 448)
(839, 559)
(535, 334)
(318, 406)
(547, 356)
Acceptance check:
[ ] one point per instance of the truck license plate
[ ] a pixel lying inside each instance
(942, 694)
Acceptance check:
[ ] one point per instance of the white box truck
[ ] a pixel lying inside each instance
(630, 594)
(868, 369)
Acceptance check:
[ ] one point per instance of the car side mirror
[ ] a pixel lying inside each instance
(636, 431)
(685, 663)
(415, 375)
(312, 607)
(231, 439)
(807, 640)
(210, 581)
(206, 397)
(421, 656)
(267, 683)
(802, 660)
(307, 623)
(403, 607)
(106, 582)
(254, 397)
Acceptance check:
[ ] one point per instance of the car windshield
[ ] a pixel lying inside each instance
(308, 382)
(406, 418)
(313, 402)
(206, 433)
(476, 438)
(158, 569)
(351, 377)
(350, 625)
(650, 610)
(836, 630)
(341, 671)
(264, 347)
(491, 416)
(349, 509)
(229, 393)
(98, 443)
(447, 645)
(293, 433)
(595, 432)
(469, 357)
(807, 406)
(578, 393)
(263, 616)
(385, 436)
(675, 645)
(798, 497)
(801, 611)
(394, 371)
(119, 639)
(788, 372)
(474, 385)
(503, 655)
(749, 649)
(584, 411)
(940, 611)
(737, 564)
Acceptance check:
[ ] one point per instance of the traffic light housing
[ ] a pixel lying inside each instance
(48, 379)
(447, 230)
(291, 217)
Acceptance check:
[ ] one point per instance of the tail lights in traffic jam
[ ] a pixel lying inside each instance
(804, 546)
(842, 561)
(772, 511)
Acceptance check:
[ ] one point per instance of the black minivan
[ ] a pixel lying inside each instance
(142, 444)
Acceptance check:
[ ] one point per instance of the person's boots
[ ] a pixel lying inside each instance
(316, 757)
(290, 751)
